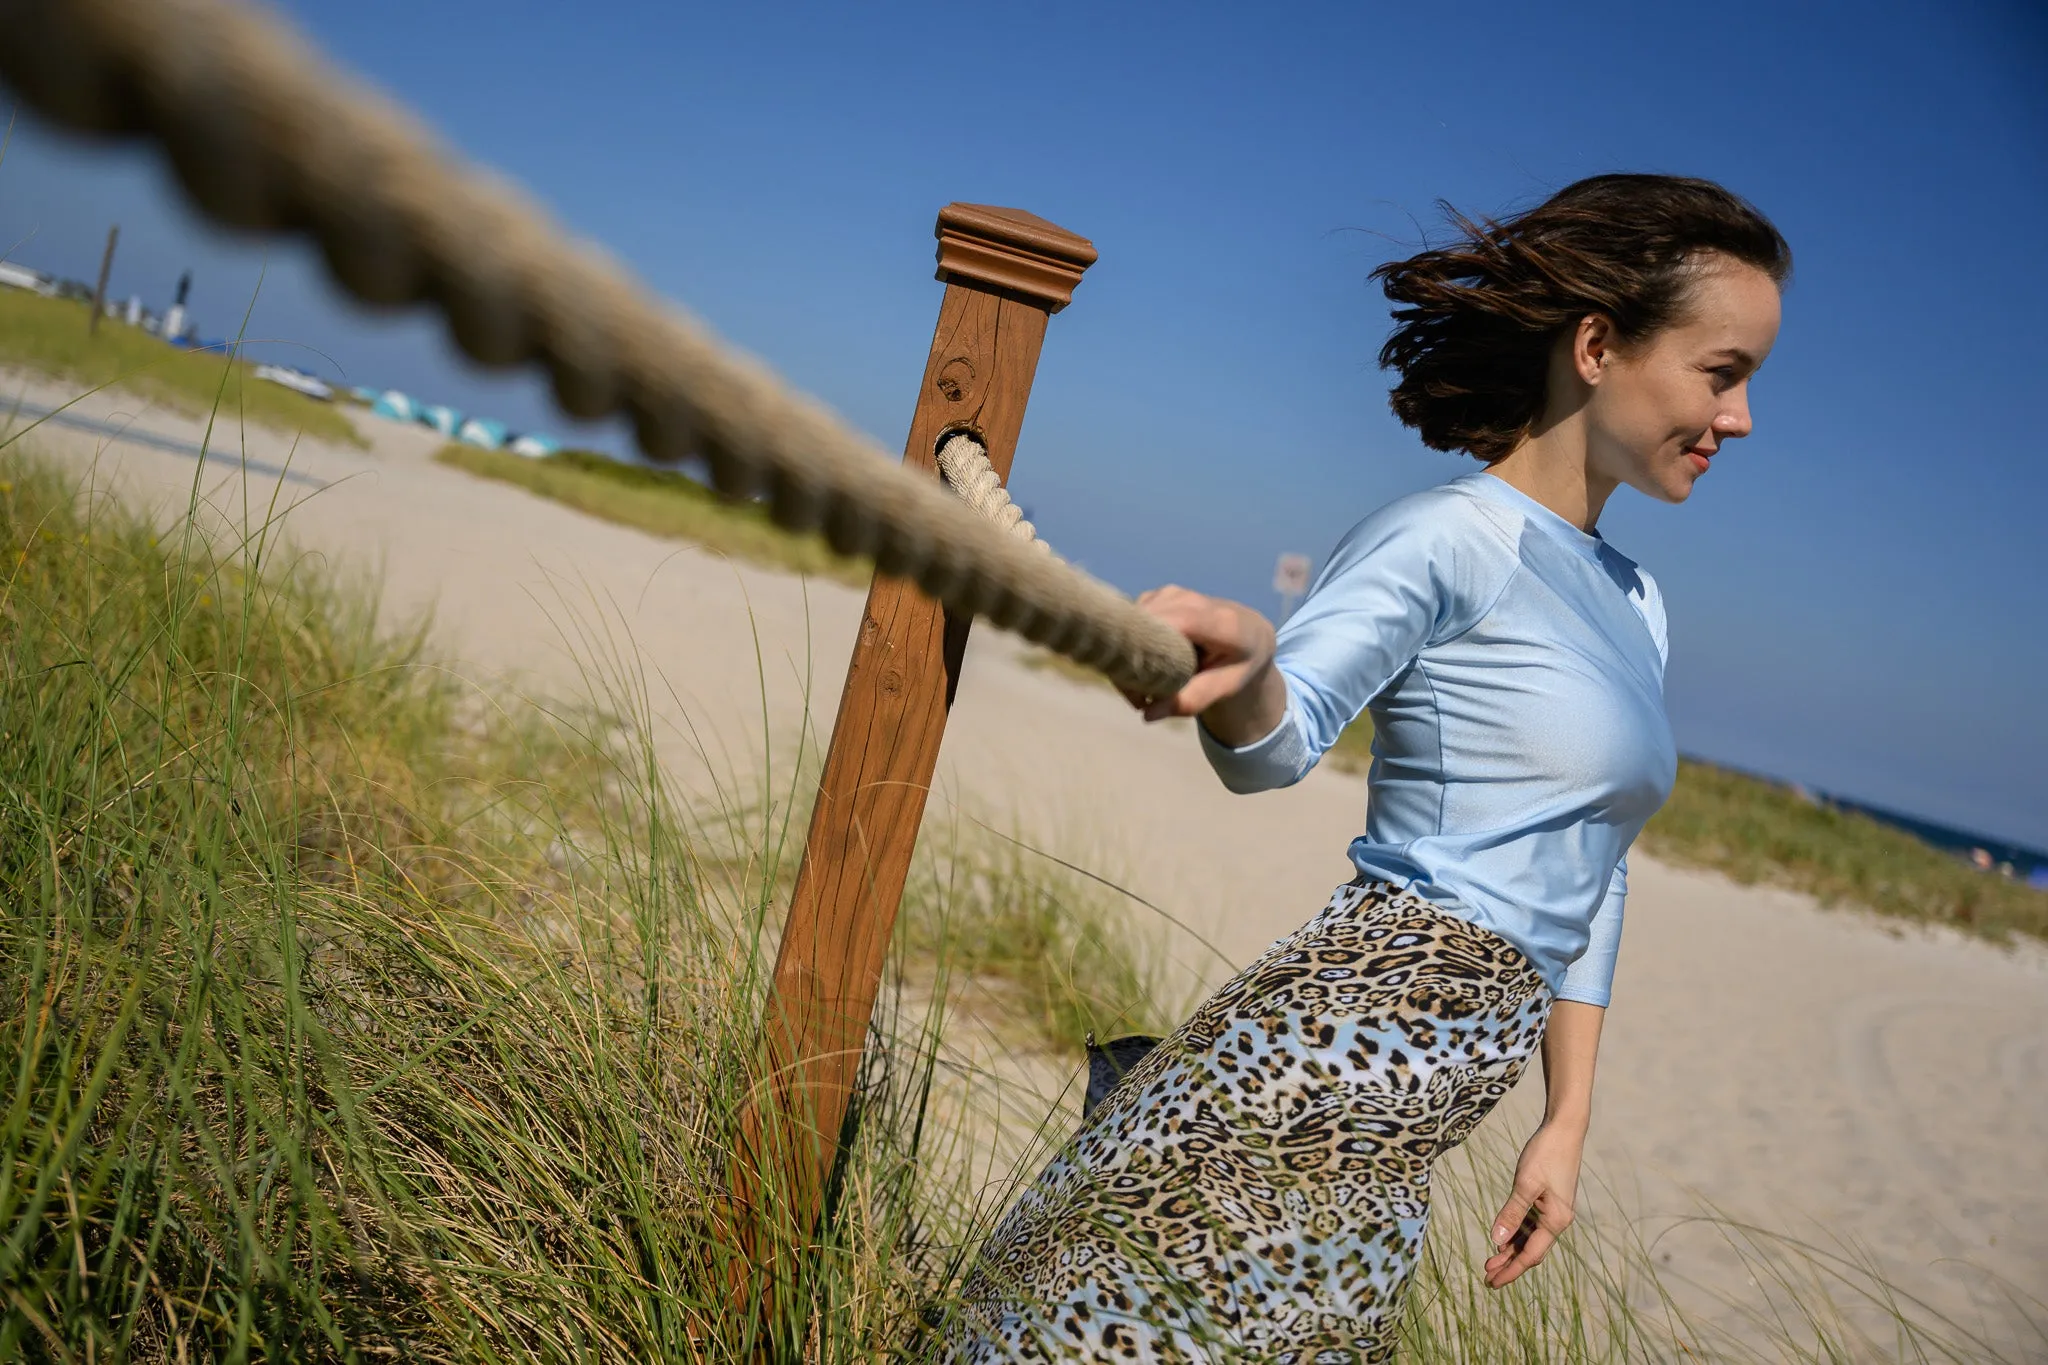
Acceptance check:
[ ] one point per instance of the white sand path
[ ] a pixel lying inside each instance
(1800, 1068)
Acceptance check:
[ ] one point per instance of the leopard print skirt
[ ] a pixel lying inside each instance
(1258, 1185)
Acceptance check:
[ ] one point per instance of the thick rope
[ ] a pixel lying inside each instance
(964, 462)
(265, 135)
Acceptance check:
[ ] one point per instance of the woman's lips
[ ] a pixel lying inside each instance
(1699, 459)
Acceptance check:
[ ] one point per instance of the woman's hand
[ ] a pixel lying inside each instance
(1547, 1176)
(1236, 690)
(1540, 1209)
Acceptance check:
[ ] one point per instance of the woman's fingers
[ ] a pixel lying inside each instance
(1218, 628)
(1231, 642)
(1204, 690)
(1507, 1267)
(1509, 1221)
(1524, 1240)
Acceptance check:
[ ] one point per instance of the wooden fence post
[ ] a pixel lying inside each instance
(1006, 272)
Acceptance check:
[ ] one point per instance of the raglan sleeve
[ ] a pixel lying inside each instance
(1403, 577)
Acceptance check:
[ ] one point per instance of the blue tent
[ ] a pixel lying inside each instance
(441, 419)
(481, 431)
(397, 406)
(534, 446)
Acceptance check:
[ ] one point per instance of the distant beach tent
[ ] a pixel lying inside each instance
(399, 407)
(21, 277)
(533, 446)
(443, 420)
(481, 431)
(298, 380)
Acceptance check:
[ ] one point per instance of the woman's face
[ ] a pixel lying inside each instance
(1659, 410)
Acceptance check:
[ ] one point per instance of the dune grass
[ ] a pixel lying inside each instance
(49, 336)
(1756, 831)
(357, 1015)
(663, 503)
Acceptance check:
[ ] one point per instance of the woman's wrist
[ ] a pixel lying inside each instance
(1249, 714)
(1570, 1116)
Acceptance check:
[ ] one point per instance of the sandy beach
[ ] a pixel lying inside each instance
(1819, 1073)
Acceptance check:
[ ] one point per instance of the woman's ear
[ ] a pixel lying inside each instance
(1592, 344)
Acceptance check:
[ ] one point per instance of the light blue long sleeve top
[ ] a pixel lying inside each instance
(1514, 668)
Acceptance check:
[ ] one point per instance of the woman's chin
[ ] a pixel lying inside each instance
(1672, 485)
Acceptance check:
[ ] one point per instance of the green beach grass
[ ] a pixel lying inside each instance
(49, 335)
(660, 502)
(358, 1014)
(1759, 832)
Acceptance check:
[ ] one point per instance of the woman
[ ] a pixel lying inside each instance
(1258, 1184)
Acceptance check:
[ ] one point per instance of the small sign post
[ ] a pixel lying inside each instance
(1290, 580)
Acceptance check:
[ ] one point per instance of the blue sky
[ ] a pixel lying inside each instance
(1856, 592)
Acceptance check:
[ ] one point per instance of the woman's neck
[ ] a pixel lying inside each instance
(1552, 466)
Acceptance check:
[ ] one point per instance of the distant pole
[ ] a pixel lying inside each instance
(99, 293)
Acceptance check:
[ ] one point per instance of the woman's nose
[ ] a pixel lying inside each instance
(1733, 421)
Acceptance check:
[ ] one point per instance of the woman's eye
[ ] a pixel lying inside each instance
(1724, 377)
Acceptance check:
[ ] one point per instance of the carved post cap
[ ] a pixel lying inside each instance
(1013, 250)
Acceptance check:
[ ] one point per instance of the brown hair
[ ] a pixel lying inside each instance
(1476, 319)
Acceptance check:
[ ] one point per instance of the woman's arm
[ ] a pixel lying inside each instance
(1547, 1176)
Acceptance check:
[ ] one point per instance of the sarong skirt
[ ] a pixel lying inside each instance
(1258, 1185)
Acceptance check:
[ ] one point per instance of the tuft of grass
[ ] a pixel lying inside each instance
(1757, 831)
(663, 503)
(1047, 950)
(1054, 947)
(49, 336)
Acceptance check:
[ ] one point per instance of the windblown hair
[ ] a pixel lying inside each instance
(1475, 320)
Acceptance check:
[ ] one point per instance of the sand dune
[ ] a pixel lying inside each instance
(1816, 1072)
